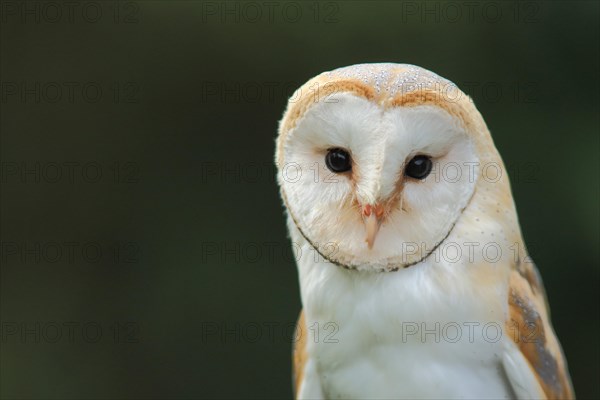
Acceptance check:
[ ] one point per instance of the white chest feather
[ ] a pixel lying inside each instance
(429, 331)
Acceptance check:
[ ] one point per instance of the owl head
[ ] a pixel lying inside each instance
(379, 163)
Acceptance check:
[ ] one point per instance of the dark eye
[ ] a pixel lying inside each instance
(419, 167)
(338, 160)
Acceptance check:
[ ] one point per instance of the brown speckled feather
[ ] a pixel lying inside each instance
(529, 327)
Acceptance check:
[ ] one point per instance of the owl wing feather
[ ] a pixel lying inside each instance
(533, 359)
(299, 355)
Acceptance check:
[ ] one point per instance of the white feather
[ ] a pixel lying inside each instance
(519, 373)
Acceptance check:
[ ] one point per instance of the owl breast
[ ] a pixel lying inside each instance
(392, 371)
(422, 332)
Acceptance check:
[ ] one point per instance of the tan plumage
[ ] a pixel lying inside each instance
(299, 354)
(535, 337)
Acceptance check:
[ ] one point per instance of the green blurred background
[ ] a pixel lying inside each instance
(169, 275)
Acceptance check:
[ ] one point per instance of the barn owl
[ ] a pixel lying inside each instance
(414, 279)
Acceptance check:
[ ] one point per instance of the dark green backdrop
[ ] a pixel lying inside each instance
(144, 250)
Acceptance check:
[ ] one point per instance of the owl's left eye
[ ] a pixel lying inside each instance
(338, 160)
(419, 167)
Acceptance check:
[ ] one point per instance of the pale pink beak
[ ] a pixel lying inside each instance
(372, 216)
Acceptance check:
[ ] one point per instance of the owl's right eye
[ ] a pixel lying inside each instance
(338, 160)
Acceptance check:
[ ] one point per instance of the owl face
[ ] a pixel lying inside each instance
(374, 186)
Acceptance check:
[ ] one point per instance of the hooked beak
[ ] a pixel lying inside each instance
(372, 215)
